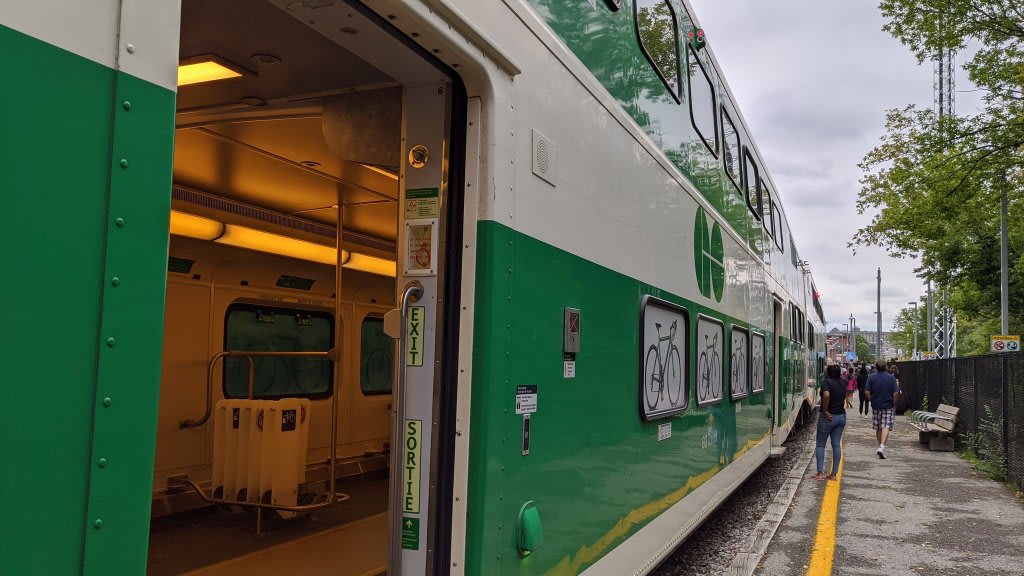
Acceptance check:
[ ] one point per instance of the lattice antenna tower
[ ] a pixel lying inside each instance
(944, 82)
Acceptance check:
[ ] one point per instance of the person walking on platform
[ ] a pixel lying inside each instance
(862, 381)
(832, 422)
(851, 387)
(883, 392)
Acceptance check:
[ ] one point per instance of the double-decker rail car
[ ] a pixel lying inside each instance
(342, 287)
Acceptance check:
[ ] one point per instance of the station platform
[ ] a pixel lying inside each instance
(915, 512)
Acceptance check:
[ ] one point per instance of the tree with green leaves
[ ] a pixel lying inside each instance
(933, 185)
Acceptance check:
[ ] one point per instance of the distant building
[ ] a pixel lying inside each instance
(838, 341)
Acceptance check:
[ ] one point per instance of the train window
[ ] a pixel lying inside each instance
(779, 235)
(659, 40)
(800, 325)
(665, 357)
(753, 182)
(810, 335)
(758, 363)
(766, 209)
(739, 369)
(258, 328)
(710, 343)
(702, 103)
(731, 150)
(376, 357)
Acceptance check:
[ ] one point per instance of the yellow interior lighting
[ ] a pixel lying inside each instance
(183, 224)
(250, 239)
(371, 264)
(204, 69)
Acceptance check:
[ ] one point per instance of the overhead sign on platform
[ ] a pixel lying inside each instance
(1004, 343)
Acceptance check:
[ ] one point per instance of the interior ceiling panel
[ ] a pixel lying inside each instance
(237, 31)
(279, 160)
(227, 169)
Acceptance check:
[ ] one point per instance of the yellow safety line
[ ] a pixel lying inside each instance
(825, 539)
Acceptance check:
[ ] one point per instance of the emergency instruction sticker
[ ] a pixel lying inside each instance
(421, 245)
(526, 399)
(421, 203)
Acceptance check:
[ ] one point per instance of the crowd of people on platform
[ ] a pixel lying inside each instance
(876, 386)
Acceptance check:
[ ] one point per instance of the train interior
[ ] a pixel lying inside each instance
(289, 119)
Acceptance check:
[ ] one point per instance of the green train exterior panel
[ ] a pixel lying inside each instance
(86, 375)
(595, 470)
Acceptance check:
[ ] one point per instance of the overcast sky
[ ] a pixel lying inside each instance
(813, 80)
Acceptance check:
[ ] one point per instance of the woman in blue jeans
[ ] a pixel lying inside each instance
(832, 422)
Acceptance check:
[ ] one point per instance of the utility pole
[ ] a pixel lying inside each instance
(945, 323)
(931, 320)
(854, 320)
(1004, 260)
(878, 344)
(914, 357)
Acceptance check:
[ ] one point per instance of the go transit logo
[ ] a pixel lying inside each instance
(708, 255)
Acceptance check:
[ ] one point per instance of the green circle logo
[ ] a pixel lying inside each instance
(708, 255)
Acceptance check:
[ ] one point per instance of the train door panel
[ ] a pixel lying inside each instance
(183, 377)
(777, 357)
(421, 228)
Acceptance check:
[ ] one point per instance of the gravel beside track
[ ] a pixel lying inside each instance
(711, 548)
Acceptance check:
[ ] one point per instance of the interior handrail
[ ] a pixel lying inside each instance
(248, 355)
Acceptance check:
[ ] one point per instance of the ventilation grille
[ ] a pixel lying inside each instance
(212, 202)
(179, 265)
(294, 282)
(545, 163)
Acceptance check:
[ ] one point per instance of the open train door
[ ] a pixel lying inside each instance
(421, 451)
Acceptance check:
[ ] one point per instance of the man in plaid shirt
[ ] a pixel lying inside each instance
(883, 392)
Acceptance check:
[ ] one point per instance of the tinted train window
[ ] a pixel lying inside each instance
(753, 182)
(758, 363)
(710, 343)
(253, 328)
(779, 236)
(739, 368)
(659, 38)
(702, 103)
(376, 357)
(731, 150)
(766, 209)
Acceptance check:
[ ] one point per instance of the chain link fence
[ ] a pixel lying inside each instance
(989, 390)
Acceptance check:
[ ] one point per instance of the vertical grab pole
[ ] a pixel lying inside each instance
(413, 292)
(338, 336)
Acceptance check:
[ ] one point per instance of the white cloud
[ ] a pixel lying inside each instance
(813, 80)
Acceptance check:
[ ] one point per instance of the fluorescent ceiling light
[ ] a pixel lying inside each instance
(251, 239)
(192, 226)
(370, 264)
(206, 69)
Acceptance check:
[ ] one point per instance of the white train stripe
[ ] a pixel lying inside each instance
(153, 28)
(90, 30)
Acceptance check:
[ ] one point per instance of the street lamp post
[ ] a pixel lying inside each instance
(914, 357)
(847, 326)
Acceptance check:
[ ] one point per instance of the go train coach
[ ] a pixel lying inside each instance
(348, 287)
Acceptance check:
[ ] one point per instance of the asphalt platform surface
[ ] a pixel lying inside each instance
(916, 512)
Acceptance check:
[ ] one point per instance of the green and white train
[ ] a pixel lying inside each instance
(340, 287)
